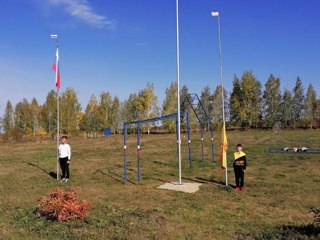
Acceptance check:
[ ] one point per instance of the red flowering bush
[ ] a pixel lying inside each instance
(62, 205)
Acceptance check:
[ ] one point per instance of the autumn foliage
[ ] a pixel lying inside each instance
(62, 205)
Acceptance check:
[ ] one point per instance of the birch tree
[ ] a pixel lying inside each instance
(310, 107)
(271, 101)
(297, 102)
(8, 119)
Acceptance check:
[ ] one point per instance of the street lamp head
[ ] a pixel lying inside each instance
(53, 36)
(215, 14)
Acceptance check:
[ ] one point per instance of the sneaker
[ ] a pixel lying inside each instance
(63, 180)
(237, 189)
(66, 180)
(242, 189)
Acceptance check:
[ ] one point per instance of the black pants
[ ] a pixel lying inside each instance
(239, 174)
(64, 167)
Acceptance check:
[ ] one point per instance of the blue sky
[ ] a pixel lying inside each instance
(121, 45)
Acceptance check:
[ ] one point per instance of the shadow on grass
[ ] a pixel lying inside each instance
(148, 176)
(214, 182)
(114, 176)
(195, 180)
(51, 174)
(309, 231)
(162, 163)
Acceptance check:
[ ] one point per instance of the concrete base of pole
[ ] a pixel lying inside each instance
(184, 187)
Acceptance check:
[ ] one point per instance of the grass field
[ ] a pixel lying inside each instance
(280, 189)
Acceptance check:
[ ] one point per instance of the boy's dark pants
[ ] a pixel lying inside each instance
(239, 174)
(64, 167)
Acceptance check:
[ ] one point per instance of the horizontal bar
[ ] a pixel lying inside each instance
(155, 119)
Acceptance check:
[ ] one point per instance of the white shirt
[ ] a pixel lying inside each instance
(64, 151)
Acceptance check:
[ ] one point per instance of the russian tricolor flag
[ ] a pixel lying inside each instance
(55, 68)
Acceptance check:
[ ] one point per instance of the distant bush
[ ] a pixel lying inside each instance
(62, 205)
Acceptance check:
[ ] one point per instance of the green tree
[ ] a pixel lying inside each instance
(250, 113)
(116, 115)
(130, 111)
(271, 101)
(207, 102)
(141, 105)
(245, 102)
(35, 116)
(297, 102)
(169, 106)
(286, 109)
(310, 106)
(217, 105)
(23, 118)
(148, 102)
(184, 92)
(317, 113)
(91, 120)
(8, 119)
(69, 110)
(236, 101)
(105, 109)
(49, 112)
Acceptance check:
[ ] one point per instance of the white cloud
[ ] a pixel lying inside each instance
(81, 10)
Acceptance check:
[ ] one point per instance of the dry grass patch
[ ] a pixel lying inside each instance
(281, 189)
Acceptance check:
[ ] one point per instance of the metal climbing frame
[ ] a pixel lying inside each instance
(190, 102)
(138, 123)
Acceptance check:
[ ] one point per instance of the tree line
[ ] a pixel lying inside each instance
(248, 105)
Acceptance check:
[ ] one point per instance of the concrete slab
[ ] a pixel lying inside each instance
(184, 187)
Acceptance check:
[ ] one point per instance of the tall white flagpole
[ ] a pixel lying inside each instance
(54, 36)
(217, 14)
(58, 123)
(178, 90)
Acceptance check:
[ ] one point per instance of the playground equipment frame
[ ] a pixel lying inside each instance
(189, 98)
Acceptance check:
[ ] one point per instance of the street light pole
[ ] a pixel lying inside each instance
(216, 14)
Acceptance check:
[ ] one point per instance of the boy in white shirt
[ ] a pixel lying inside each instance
(64, 158)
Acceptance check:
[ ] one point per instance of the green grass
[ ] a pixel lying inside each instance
(281, 189)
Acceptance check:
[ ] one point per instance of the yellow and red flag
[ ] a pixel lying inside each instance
(224, 147)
